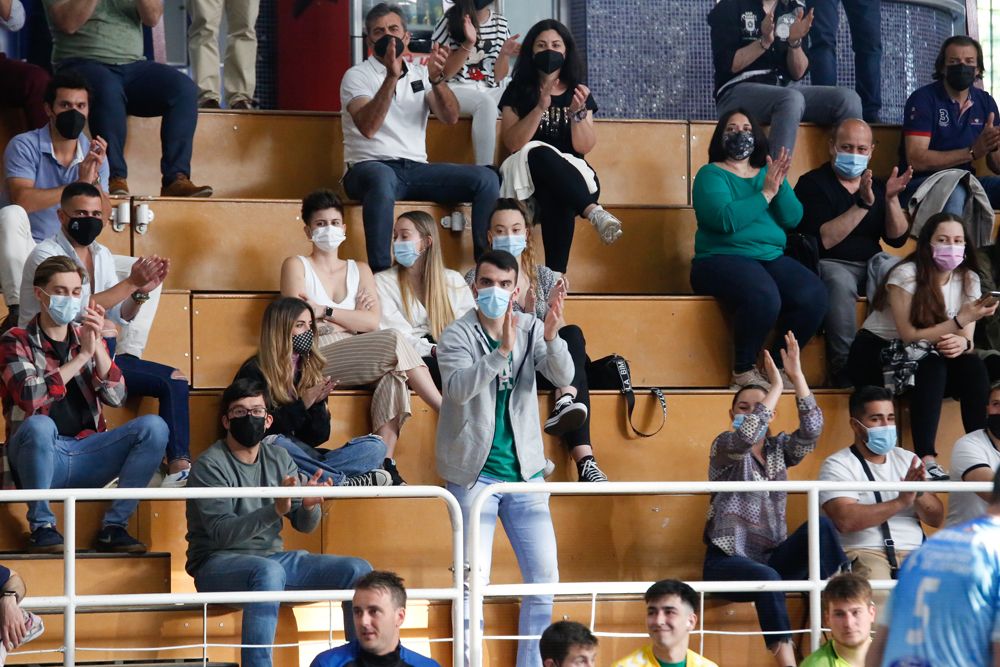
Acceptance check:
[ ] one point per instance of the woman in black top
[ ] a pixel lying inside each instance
(547, 124)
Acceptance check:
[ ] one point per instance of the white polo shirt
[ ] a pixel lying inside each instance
(971, 451)
(904, 526)
(403, 134)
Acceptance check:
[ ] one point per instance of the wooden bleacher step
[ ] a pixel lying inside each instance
(96, 573)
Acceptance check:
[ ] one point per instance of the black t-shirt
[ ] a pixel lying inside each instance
(555, 128)
(736, 23)
(824, 198)
(72, 413)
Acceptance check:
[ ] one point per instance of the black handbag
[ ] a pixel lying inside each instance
(613, 372)
(804, 249)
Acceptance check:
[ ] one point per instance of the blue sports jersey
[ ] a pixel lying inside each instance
(349, 655)
(945, 610)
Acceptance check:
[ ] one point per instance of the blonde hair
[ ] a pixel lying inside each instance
(439, 311)
(274, 357)
(527, 258)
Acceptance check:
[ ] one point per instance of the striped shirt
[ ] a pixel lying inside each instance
(479, 64)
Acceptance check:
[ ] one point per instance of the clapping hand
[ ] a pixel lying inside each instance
(989, 139)
(91, 164)
(897, 182)
(772, 372)
(915, 473)
(469, 31)
(148, 273)
(509, 336)
(284, 505)
(91, 328)
(865, 189)
(318, 392)
(435, 66)
(393, 61)
(579, 103)
(554, 318)
(777, 170)
(767, 31)
(791, 358)
(309, 503)
(800, 28)
(510, 46)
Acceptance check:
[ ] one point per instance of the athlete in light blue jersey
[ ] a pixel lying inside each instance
(945, 610)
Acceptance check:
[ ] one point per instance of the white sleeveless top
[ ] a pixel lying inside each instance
(318, 294)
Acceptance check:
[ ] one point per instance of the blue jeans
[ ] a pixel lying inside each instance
(358, 456)
(282, 571)
(43, 459)
(865, 20)
(788, 561)
(528, 525)
(759, 296)
(145, 89)
(148, 378)
(956, 202)
(379, 183)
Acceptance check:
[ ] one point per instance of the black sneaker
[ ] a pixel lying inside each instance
(935, 473)
(589, 471)
(377, 477)
(45, 540)
(389, 466)
(115, 539)
(568, 415)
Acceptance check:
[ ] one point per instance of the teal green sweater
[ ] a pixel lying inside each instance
(735, 219)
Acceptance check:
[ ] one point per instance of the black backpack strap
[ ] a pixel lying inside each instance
(630, 402)
(887, 542)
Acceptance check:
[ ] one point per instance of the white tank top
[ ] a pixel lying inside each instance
(318, 294)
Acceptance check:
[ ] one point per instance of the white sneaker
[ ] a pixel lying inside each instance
(752, 376)
(608, 226)
(175, 480)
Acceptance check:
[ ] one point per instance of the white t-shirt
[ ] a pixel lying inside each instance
(418, 325)
(904, 526)
(403, 134)
(971, 451)
(904, 276)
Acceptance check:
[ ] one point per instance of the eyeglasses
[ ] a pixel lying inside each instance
(239, 413)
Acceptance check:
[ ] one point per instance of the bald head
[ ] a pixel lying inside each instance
(852, 136)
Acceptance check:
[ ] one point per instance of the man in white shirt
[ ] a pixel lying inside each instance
(387, 102)
(974, 458)
(877, 530)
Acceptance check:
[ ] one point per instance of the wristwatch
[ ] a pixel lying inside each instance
(328, 313)
(795, 43)
(140, 297)
(860, 202)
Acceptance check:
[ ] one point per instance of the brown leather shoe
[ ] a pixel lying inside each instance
(183, 187)
(209, 104)
(241, 105)
(118, 186)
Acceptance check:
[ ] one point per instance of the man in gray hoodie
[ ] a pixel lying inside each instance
(489, 428)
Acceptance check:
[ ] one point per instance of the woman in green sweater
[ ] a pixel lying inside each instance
(745, 207)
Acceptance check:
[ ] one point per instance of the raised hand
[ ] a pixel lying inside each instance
(800, 28)
(510, 46)
(554, 318)
(767, 31)
(393, 61)
(897, 182)
(314, 481)
(772, 372)
(509, 336)
(439, 56)
(580, 95)
(866, 188)
(791, 358)
(777, 169)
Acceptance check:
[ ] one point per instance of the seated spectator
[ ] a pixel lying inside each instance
(387, 103)
(950, 124)
(379, 607)
(537, 288)
(930, 303)
(547, 123)
(973, 459)
(568, 644)
(418, 296)
(744, 207)
(234, 544)
(849, 212)
(746, 533)
(987, 337)
(759, 62)
(17, 626)
(489, 430)
(55, 376)
(239, 79)
(480, 48)
(103, 42)
(849, 613)
(288, 364)
(37, 166)
(342, 294)
(879, 529)
(670, 618)
(21, 84)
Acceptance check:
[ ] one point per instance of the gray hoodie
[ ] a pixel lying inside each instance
(469, 379)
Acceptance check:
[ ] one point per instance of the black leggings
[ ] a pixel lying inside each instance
(561, 194)
(963, 378)
(577, 345)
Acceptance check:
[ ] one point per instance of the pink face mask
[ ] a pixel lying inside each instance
(948, 257)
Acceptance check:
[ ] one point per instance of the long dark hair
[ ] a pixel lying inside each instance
(455, 17)
(927, 308)
(717, 152)
(525, 80)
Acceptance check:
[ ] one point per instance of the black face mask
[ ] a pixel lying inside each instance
(381, 47)
(302, 343)
(960, 77)
(739, 145)
(247, 430)
(482, 4)
(993, 425)
(70, 123)
(548, 61)
(85, 229)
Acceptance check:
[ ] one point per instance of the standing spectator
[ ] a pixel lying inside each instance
(17, 626)
(974, 458)
(850, 614)
(481, 47)
(568, 644)
(489, 430)
(385, 127)
(746, 532)
(745, 207)
(21, 84)
(102, 39)
(758, 56)
(850, 212)
(547, 123)
(240, 66)
(930, 302)
(865, 19)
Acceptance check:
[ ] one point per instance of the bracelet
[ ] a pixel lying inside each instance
(579, 116)
(760, 40)
(437, 81)
(796, 44)
(957, 323)
(467, 49)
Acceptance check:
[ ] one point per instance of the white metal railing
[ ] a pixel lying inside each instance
(812, 586)
(70, 601)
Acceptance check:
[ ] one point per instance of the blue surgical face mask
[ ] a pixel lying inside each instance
(738, 420)
(406, 252)
(513, 243)
(850, 165)
(881, 439)
(63, 309)
(492, 301)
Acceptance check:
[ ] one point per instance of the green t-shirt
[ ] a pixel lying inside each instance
(112, 35)
(672, 664)
(825, 656)
(502, 463)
